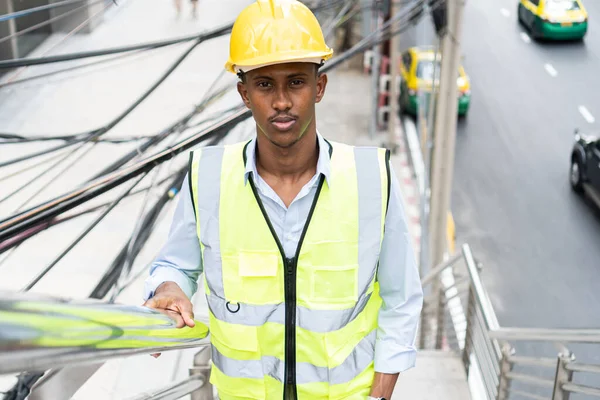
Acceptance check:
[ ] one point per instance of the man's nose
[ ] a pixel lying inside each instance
(282, 100)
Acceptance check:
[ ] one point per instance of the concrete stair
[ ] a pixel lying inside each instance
(437, 375)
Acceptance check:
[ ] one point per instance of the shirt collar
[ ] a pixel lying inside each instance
(323, 162)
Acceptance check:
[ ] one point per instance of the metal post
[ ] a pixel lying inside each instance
(439, 323)
(425, 198)
(433, 95)
(505, 368)
(563, 375)
(469, 336)
(445, 129)
(425, 189)
(426, 101)
(421, 119)
(393, 118)
(424, 325)
(366, 17)
(202, 367)
(427, 137)
(424, 216)
(375, 72)
(12, 29)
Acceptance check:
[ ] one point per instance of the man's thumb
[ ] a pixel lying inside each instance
(151, 302)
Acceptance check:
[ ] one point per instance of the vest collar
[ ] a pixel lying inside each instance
(323, 162)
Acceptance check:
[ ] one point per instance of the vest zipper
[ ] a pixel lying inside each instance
(290, 321)
(290, 265)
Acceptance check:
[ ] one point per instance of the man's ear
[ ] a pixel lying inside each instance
(241, 88)
(321, 85)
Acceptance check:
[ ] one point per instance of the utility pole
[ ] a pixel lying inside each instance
(426, 146)
(394, 70)
(445, 131)
(375, 71)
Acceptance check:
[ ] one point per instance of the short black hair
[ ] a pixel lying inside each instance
(242, 75)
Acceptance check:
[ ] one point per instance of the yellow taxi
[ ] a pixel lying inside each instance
(554, 19)
(418, 67)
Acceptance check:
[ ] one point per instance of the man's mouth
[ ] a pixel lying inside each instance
(283, 123)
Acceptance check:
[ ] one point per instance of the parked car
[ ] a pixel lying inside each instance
(585, 166)
(554, 19)
(420, 69)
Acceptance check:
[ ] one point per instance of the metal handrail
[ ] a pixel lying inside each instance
(547, 335)
(40, 333)
(581, 389)
(435, 272)
(485, 345)
(487, 309)
(174, 390)
(590, 368)
(533, 361)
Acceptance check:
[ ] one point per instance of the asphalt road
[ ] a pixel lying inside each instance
(538, 241)
(512, 201)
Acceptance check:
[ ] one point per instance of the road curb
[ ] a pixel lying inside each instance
(411, 137)
(404, 166)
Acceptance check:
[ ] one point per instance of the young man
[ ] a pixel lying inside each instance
(310, 278)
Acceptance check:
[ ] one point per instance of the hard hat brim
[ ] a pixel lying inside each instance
(264, 61)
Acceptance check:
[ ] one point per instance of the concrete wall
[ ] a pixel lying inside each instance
(20, 46)
(75, 18)
(8, 48)
(27, 42)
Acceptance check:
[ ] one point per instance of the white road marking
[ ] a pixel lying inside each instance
(525, 37)
(587, 115)
(505, 12)
(550, 70)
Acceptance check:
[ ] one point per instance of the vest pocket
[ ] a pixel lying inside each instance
(232, 338)
(261, 276)
(336, 287)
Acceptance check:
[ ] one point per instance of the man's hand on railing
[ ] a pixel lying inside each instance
(169, 297)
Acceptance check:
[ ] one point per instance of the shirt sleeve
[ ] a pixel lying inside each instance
(180, 258)
(400, 290)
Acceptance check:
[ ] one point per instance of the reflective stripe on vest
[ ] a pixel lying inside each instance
(337, 300)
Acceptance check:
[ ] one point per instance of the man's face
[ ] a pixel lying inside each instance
(282, 98)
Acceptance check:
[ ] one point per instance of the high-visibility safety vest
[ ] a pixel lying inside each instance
(309, 321)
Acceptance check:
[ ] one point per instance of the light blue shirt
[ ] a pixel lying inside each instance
(400, 287)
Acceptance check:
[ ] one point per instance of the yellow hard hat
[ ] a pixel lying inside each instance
(271, 32)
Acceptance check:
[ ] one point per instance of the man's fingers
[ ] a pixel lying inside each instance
(188, 319)
(156, 355)
(183, 312)
(179, 321)
(187, 312)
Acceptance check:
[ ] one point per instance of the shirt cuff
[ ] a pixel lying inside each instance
(392, 358)
(163, 274)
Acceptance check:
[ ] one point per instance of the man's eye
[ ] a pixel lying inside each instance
(297, 82)
(264, 84)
